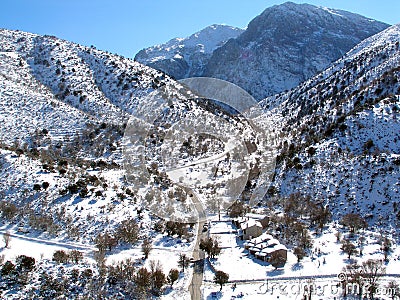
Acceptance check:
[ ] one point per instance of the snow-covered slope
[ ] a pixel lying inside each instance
(95, 82)
(187, 57)
(65, 108)
(342, 132)
(286, 45)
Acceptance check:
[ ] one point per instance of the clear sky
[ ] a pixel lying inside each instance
(126, 26)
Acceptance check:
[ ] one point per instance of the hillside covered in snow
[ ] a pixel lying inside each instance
(65, 109)
(340, 133)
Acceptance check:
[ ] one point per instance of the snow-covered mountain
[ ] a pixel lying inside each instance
(342, 132)
(280, 48)
(64, 109)
(288, 44)
(59, 86)
(187, 57)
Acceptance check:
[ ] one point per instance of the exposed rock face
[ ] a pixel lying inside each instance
(280, 48)
(286, 45)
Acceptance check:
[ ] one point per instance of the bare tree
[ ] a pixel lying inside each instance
(173, 276)
(300, 253)
(366, 275)
(371, 271)
(354, 222)
(349, 248)
(237, 209)
(353, 276)
(146, 248)
(361, 242)
(386, 247)
(6, 239)
(393, 290)
(210, 246)
(143, 280)
(277, 260)
(157, 279)
(75, 256)
(183, 261)
(105, 241)
(128, 231)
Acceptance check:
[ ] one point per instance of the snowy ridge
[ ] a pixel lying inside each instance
(87, 83)
(282, 47)
(186, 57)
(287, 44)
(25, 110)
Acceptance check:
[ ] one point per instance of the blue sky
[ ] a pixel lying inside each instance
(126, 26)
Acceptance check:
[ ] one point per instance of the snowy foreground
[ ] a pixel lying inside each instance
(249, 278)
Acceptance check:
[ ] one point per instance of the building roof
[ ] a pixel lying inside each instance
(256, 216)
(280, 247)
(273, 242)
(254, 249)
(250, 223)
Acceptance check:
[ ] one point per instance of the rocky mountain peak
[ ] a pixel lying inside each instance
(287, 44)
(282, 47)
(187, 57)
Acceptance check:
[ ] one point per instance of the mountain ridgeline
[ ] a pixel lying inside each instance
(187, 57)
(280, 48)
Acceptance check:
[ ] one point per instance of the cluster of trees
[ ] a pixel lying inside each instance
(293, 232)
(142, 283)
(151, 282)
(354, 242)
(300, 213)
(17, 273)
(303, 207)
(237, 209)
(41, 222)
(127, 232)
(63, 257)
(354, 222)
(80, 186)
(122, 278)
(365, 274)
(8, 210)
(210, 246)
(172, 228)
